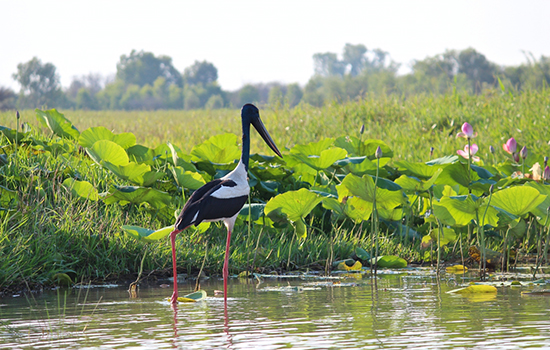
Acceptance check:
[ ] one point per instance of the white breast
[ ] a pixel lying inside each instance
(240, 177)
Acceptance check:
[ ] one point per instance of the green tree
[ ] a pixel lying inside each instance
(249, 94)
(7, 99)
(142, 68)
(39, 84)
(477, 68)
(204, 73)
(354, 56)
(214, 102)
(275, 96)
(294, 94)
(85, 99)
(327, 64)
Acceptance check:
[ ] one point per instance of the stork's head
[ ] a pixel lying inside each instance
(251, 115)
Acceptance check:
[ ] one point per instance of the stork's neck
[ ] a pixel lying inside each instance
(246, 144)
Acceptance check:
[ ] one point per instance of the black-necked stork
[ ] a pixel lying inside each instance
(222, 199)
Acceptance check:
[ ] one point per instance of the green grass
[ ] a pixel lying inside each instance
(52, 232)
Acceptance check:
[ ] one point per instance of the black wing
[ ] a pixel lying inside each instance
(202, 206)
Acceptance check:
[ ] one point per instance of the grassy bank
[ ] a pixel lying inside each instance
(45, 229)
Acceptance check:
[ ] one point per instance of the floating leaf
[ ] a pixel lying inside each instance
(82, 189)
(475, 288)
(390, 261)
(357, 266)
(57, 123)
(456, 269)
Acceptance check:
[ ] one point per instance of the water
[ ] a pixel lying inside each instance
(405, 310)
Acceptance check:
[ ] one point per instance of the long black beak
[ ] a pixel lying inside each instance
(260, 128)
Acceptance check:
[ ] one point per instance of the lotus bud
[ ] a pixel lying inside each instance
(492, 149)
(546, 161)
(491, 188)
(516, 157)
(431, 151)
(467, 131)
(546, 173)
(362, 129)
(523, 152)
(378, 153)
(510, 146)
(18, 116)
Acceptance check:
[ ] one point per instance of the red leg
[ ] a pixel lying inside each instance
(174, 298)
(226, 266)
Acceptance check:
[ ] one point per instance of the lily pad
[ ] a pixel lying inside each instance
(475, 288)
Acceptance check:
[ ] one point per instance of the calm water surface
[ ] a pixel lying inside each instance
(405, 310)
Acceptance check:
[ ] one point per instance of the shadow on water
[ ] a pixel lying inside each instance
(409, 309)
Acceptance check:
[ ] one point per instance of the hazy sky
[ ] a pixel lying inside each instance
(261, 41)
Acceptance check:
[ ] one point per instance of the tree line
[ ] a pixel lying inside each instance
(144, 81)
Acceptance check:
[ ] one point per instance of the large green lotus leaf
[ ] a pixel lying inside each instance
(219, 149)
(391, 214)
(12, 135)
(137, 195)
(141, 154)
(518, 200)
(322, 161)
(460, 211)
(367, 166)
(336, 207)
(256, 210)
(146, 234)
(419, 170)
(389, 261)
(363, 187)
(91, 135)
(82, 189)
(355, 147)
(105, 150)
(456, 174)
(188, 179)
(179, 159)
(541, 211)
(132, 172)
(443, 160)
(414, 185)
(57, 123)
(358, 209)
(295, 204)
(445, 190)
(313, 148)
(447, 236)
(298, 167)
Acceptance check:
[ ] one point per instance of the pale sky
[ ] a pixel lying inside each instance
(261, 41)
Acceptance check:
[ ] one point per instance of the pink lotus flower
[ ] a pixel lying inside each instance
(546, 173)
(467, 131)
(510, 146)
(472, 151)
